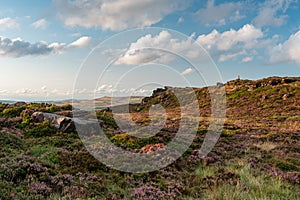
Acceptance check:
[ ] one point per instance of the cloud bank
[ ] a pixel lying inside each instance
(228, 45)
(20, 48)
(117, 14)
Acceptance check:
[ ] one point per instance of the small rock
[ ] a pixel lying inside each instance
(264, 97)
(286, 96)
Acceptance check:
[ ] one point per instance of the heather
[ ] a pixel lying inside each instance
(256, 157)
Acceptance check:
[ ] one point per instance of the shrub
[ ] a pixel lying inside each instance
(53, 108)
(13, 112)
(41, 130)
(108, 119)
(66, 107)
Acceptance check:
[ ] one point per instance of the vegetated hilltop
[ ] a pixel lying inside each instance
(256, 157)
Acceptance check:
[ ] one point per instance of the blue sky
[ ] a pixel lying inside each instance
(44, 43)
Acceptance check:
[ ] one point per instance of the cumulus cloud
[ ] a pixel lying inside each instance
(41, 23)
(158, 48)
(8, 23)
(272, 13)
(117, 14)
(220, 14)
(19, 48)
(287, 51)
(246, 36)
(228, 45)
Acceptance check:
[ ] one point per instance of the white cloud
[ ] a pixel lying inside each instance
(41, 23)
(228, 45)
(19, 48)
(108, 89)
(272, 13)
(81, 42)
(287, 51)
(247, 59)
(117, 14)
(232, 44)
(231, 56)
(219, 14)
(187, 71)
(247, 36)
(26, 91)
(149, 49)
(8, 23)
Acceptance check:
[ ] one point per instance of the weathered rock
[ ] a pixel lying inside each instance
(67, 124)
(37, 117)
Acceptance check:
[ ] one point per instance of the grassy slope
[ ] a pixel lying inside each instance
(257, 156)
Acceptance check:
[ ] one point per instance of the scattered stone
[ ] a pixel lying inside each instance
(264, 97)
(286, 96)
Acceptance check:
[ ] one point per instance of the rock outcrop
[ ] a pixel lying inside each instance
(67, 124)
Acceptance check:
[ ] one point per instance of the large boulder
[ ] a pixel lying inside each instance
(67, 124)
(37, 117)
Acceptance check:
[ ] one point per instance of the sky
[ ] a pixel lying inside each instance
(60, 49)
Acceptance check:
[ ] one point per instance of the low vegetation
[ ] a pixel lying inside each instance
(256, 157)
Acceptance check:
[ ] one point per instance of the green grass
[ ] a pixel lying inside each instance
(46, 153)
(294, 117)
(253, 186)
(202, 172)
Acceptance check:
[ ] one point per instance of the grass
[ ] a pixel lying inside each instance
(266, 146)
(202, 172)
(253, 186)
(294, 117)
(46, 153)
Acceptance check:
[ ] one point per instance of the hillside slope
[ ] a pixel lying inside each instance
(256, 157)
